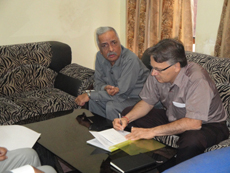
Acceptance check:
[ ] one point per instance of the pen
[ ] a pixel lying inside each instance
(120, 118)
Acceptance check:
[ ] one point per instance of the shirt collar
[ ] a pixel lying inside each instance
(180, 77)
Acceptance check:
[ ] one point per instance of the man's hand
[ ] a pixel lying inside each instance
(82, 99)
(175, 127)
(120, 125)
(3, 152)
(111, 90)
(140, 133)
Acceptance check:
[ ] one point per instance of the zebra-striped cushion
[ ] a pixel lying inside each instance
(26, 78)
(36, 102)
(12, 56)
(9, 111)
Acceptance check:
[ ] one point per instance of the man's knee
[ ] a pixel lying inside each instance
(30, 156)
(97, 107)
(111, 110)
(192, 139)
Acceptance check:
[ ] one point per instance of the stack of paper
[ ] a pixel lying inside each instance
(107, 139)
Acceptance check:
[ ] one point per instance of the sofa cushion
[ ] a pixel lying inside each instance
(12, 56)
(224, 90)
(218, 69)
(26, 78)
(10, 112)
(42, 101)
(198, 58)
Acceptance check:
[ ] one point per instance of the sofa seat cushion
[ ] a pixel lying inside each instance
(85, 75)
(43, 101)
(170, 140)
(10, 112)
(26, 78)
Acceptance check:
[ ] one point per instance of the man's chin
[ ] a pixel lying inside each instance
(112, 58)
(159, 80)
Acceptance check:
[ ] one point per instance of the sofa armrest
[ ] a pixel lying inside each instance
(68, 84)
(79, 73)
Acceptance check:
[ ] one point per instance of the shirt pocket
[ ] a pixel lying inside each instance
(179, 110)
(179, 105)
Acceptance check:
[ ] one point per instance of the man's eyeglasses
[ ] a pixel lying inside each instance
(160, 70)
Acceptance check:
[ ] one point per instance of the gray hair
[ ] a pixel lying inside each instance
(102, 30)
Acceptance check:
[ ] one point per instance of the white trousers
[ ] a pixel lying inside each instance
(21, 157)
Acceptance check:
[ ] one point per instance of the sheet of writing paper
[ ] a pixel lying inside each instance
(114, 136)
(16, 136)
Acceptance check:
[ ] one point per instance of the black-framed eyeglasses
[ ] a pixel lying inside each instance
(160, 70)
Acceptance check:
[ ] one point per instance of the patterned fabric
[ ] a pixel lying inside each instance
(26, 78)
(8, 111)
(150, 21)
(34, 103)
(222, 40)
(219, 71)
(13, 56)
(84, 74)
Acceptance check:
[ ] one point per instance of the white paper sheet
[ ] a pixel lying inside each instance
(108, 138)
(114, 136)
(16, 136)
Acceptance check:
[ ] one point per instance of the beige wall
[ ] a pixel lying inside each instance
(74, 22)
(69, 21)
(208, 19)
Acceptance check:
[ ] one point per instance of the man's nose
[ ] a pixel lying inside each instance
(110, 48)
(154, 72)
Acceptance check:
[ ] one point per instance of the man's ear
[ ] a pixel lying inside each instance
(177, 67)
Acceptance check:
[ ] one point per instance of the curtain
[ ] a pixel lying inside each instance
(149, 21)
(222, 47)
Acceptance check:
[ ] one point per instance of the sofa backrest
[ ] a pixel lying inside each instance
(219, 71)
(30, 66)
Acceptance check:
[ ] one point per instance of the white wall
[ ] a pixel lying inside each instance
(69, 21)
(208, 19)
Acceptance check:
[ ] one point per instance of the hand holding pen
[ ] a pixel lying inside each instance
(120, 123)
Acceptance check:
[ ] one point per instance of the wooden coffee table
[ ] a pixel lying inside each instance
(66, 138)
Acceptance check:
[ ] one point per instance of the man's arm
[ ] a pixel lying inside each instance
(176, 127)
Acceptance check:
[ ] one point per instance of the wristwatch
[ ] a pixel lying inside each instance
(88, 92)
